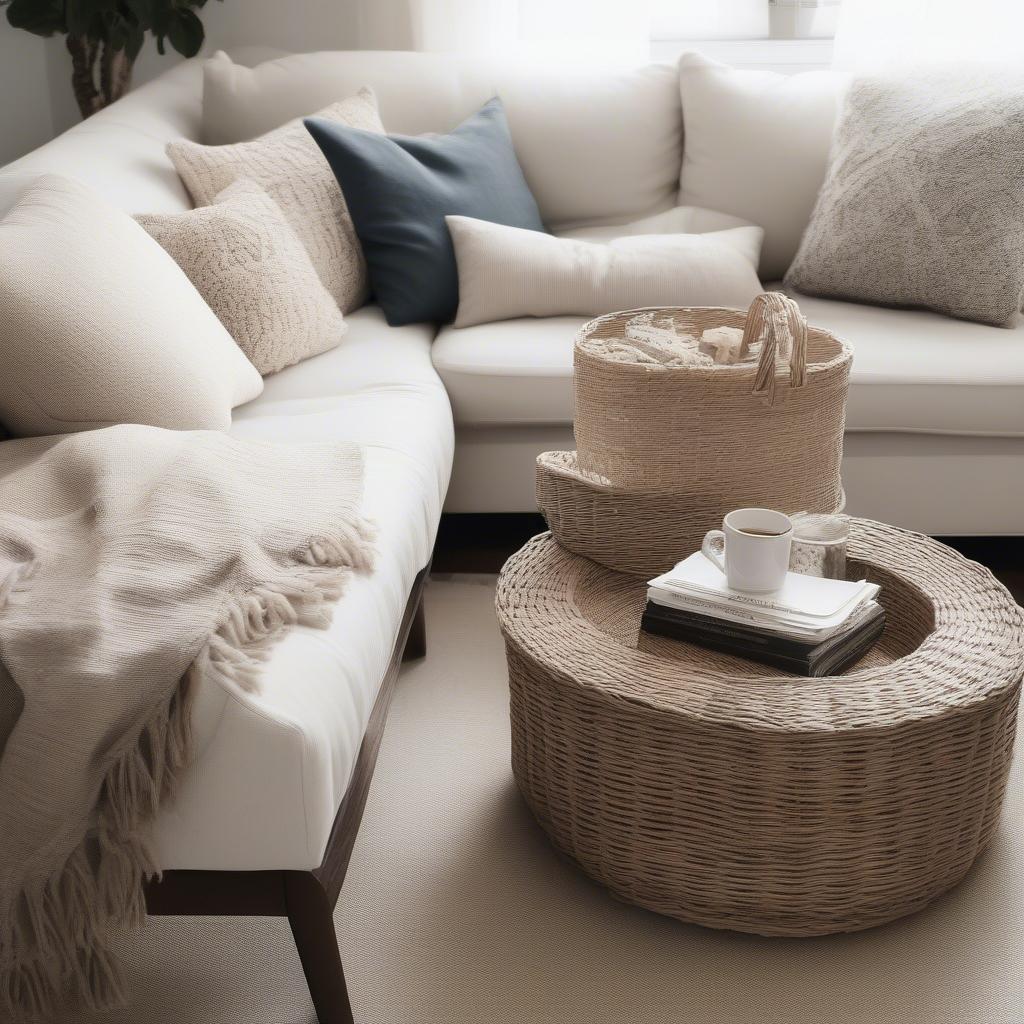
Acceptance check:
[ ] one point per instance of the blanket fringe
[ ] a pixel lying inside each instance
(53, 933)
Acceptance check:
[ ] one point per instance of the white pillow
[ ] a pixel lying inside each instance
(288, 165)
(757, 146)
(509, 272)
(681, 220)
(98, 325)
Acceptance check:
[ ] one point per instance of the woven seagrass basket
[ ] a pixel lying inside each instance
(730, 794)
(665, 451)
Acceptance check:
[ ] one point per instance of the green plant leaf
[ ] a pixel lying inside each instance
(136, 37)
(40, 17)
(120, 24)
(142, 11)
(79, 14)
(185, 32)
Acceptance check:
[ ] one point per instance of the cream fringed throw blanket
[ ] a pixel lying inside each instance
(132, 561)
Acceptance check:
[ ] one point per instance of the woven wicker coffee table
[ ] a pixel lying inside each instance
(727, 794)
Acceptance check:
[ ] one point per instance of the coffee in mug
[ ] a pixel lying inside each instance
(755, 548)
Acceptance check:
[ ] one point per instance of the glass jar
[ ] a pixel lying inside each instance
(819, 545)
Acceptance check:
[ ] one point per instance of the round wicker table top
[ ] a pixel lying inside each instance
(954, 637)
(726, 793)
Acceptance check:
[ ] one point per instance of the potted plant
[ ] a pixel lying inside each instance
(105, 36)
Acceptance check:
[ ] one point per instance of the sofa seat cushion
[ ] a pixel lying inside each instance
(913, 371)
(509, 372)
(922, 372)
(272, 767)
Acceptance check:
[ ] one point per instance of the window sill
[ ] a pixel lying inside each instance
(785, 55)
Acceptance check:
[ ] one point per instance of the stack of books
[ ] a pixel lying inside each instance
(811, 626)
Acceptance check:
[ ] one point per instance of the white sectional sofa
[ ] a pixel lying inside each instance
(272, 769)
(935, 424)
(933, 401)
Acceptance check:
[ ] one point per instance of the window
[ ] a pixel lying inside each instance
(803, 19)
(785, 35)
(745, 19)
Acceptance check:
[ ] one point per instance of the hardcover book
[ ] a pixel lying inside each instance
(830, 656)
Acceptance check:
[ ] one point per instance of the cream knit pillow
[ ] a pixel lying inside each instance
(288, 165)
(255, 275)
(507, 272)
(99, 326)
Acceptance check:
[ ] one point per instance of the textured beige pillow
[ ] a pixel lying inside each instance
(255, 275)
(98, 325)
(924, 200)
(289, 166)
(510, 272)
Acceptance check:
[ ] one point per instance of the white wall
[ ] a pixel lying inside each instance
(26, 118)
(35, 74)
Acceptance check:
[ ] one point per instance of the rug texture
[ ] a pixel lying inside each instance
(457, 910)
(132, 561)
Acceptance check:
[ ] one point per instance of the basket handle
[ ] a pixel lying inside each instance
(775, 320)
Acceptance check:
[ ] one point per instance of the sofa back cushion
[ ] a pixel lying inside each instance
(757, 146)
(119, 151)
(595, 145)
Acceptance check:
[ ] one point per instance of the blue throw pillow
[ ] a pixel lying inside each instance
(400, 188)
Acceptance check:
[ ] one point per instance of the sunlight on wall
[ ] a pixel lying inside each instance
(886, 34)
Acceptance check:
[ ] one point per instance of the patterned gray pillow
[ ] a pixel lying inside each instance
(923, 204)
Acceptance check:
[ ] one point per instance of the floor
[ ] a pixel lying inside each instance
(457, 910)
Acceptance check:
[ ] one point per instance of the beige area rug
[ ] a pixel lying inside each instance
(457, 911)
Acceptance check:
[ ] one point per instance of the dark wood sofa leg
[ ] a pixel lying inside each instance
(306, 898)
(416, 645)
(311, 916)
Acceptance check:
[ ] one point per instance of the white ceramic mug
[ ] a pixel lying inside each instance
(756, 543)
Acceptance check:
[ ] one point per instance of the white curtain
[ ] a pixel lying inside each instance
(618, 30)
(888, 34)
(481, 26)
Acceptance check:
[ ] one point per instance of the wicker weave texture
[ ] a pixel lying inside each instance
(642, 532)
(726, 431)
(727, 794)
(664, 451)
